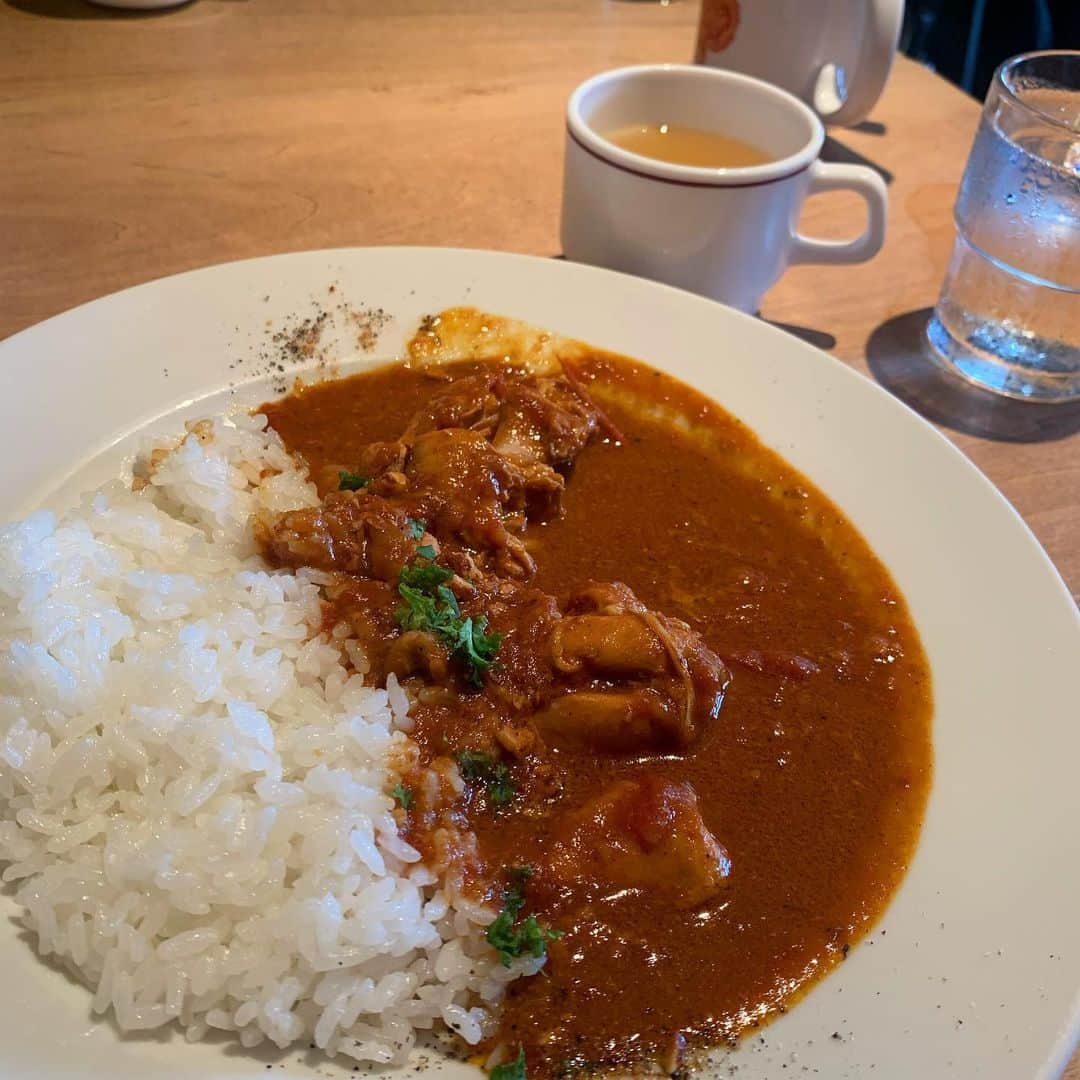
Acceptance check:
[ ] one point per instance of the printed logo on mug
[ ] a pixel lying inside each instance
(834, 54)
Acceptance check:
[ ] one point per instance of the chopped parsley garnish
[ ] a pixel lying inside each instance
(350, 481)
(520, 874)
(403, 796)
(425, 551)
(511, 1070)
(417, 527)
(510, 938)
(477, 647)
(426, 576)
(494, 775)
(430, 604)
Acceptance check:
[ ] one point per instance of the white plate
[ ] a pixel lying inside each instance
(974, 970)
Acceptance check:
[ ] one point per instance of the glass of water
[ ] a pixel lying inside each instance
(1009, 314)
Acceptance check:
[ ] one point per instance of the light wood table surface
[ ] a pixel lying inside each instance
(136, 146)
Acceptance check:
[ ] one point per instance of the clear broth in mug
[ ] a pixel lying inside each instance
(686, 146)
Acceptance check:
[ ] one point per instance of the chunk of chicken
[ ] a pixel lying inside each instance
(543, 419)
(417, 652)
(468, 402)
(610, 635)
(380, 463)
(523, 617)
(534, 424)
(351, 532)
(477, 462)
(645, 834)
(543, 425)
(463, 486)
(605, 598)
(539, 418)
(612, 721)
(619, 645)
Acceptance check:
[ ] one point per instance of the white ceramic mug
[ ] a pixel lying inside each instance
(725, 233)
(834, 54)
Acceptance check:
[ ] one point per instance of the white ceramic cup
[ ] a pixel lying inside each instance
(725, 233)
(834, 54)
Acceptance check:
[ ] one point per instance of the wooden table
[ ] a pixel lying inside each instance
(136, 146)
(141, 145)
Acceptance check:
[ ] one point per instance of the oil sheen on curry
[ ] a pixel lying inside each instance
(671, 714)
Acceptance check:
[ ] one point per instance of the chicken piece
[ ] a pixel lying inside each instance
(534, 418)
(533, 424)
(543, 423)
(546, 418)
(380, 463)
(463, 476)
(605, 598)
(645, 834)
(418, 653)
(467, 402)
(613, 721)
(523, 678)
(612, 645)
(535, 490)
(609, 633)
(352, 532)
(516, 741)
(446, 469)
(622, 680)
(462, 485)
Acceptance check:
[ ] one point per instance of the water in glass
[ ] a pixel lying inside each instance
(1009, 313)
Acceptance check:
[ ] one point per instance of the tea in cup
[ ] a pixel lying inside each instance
(639, 197)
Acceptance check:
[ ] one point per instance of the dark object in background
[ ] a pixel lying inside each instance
(965, 40)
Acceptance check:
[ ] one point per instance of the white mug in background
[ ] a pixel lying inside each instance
(834, 54)
(724, 233)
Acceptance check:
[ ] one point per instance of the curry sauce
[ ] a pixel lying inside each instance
(809, 765)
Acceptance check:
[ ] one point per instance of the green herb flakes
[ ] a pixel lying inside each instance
(350, 481)
(511, 1070)
(494, 775)
(430, 605)
(512, 939)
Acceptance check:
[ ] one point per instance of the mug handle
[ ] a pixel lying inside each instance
(866, 81)
(864, 182)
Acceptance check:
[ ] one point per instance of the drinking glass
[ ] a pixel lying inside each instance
(1009, 314)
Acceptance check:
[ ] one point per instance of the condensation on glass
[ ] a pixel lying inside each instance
(1008, 318)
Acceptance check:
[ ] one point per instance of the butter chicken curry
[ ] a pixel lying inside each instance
(671, 715)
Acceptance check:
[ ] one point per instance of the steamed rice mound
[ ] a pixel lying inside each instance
(193, 780)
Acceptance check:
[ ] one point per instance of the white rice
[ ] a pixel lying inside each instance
(193, 786)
